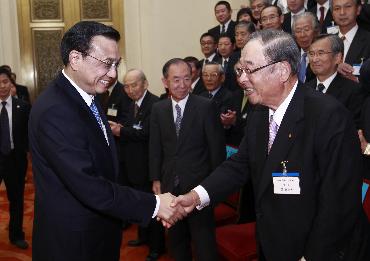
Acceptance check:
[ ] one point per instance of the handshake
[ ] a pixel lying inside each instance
(173, 209)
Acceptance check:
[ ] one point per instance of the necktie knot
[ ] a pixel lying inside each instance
(320, 87)
(322, 13)
(223, 29)
(210, 95)
(343, 37)
(136, 109)
(3, 103)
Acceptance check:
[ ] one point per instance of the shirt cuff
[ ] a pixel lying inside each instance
(203, 196)
(367, 150)
(158, 202)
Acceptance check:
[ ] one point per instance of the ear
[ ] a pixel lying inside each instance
(338, 58)
(165, 83)
(146, 84)
(222, 78)
(75, 59)
(282, 19)
(285, 71)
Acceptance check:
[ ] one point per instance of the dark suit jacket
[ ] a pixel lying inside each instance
(365, 126)
(363, 19)
(20, 115)
(223, 99)
(198, 150)
(230, 77)
(119, 99)
(135, 141)
(235, 133)
(359, 48)
(346, 92)
(319, 140)
(78, 205)
(217, 59)
(215, 31)
(22, 93)
(199, 87)
(327, 20)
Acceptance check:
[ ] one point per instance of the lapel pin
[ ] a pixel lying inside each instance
(290, 135)
(18, 106)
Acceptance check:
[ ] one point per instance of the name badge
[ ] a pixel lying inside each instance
(286, 183)
(356, 69)
(334, 29)
(112, 112)
(137, 126)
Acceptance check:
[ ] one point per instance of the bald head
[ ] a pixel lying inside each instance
(135, 84)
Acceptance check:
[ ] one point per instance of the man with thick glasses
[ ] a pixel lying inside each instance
(302, 153)
(272, 18)
(78, 204)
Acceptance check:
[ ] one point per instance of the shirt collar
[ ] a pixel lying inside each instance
(195, 83)
(278, 115)
(8, 101)
(215, 91)
(350, 34)
(140, 101)
(299, 12)
(210, 58)
(327, 82)
(181, 103)
(226, 25)
(88, 98)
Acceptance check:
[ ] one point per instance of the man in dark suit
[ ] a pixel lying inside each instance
(325, 55)
(272, 17)
(213, 76)
(13, 155)
(322, 10)
(78, 204)
(208, 45)
(197, 85)
(223, 13)
(296, 7)
(356, 39)
(302, 153)
(21, 91)
(186, 144)
(305, 29)
(134, 142)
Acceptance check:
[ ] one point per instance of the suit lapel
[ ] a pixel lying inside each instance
(261, 140)
(356, 48)
(285, 138)
(334, 87)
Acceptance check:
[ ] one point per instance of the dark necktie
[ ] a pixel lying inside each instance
(225, 64)
(210, 95)
(178, 119)
(136, 109)
(207, 61)
(322, 13)
(302, 68)
(5, 146)
(343, 38)
(223, 29)
(320, 87)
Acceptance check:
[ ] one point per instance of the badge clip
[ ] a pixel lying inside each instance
(283, 163)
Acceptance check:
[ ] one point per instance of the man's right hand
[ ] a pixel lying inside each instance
(168, 213)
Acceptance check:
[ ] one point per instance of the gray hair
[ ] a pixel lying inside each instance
(141, 73)
(219, 67)
(315, 23)
(249, 26)
(336, 44)
(278, 46)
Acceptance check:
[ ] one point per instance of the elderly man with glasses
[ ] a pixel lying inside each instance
(302, 154)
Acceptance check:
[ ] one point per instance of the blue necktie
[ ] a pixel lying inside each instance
(5, 146)
(95, 111)
(302, 68)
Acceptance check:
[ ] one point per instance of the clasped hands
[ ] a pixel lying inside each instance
(173, 209)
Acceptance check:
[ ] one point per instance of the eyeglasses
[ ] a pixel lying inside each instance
(303, 30)
(265, 19)
(321, 53)
(206, 43)
(210, 75)
(107, 64)
(239, 71)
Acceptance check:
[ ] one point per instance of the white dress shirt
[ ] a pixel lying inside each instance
(349, 38)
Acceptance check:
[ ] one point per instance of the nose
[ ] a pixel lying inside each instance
(112, 72)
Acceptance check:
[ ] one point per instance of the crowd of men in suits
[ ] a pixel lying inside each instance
(178, 159)
(173, 143)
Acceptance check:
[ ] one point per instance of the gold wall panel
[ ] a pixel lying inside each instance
(97, 10)
(47, 58)
(46, 10)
